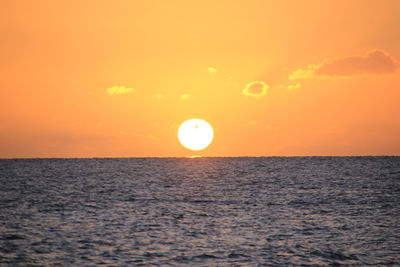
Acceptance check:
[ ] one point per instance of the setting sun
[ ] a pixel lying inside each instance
(195, 134)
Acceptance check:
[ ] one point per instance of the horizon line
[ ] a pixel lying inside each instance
(199, 156)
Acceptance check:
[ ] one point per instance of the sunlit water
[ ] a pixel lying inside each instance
(200, 211)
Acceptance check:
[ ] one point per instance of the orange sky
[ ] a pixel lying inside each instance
(116, 78)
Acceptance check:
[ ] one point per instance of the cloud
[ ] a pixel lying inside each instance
(377, 62)
(185, 96)
(255, 89)
(294, 86)
(212, 70)
(252, 123)
(306, 73)
(119, 90)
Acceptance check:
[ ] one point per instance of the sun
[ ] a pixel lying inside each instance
(195, 134)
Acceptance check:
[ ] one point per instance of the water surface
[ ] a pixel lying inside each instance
(200, 211)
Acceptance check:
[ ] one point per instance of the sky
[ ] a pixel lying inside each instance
(273, 78)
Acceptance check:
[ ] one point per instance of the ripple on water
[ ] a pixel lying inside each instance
(203, 211)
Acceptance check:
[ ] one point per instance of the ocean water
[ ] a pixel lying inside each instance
(200, 211)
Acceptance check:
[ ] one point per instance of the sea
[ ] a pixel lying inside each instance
(264, 211)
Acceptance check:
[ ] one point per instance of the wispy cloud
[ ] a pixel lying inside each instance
(212, 70)
(185, 96)
(255, 89)
(377, 62)
(119, 90)
(294, 86)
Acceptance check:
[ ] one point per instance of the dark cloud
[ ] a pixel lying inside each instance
(375, 62)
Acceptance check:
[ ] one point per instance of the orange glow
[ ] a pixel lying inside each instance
(274, 78)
